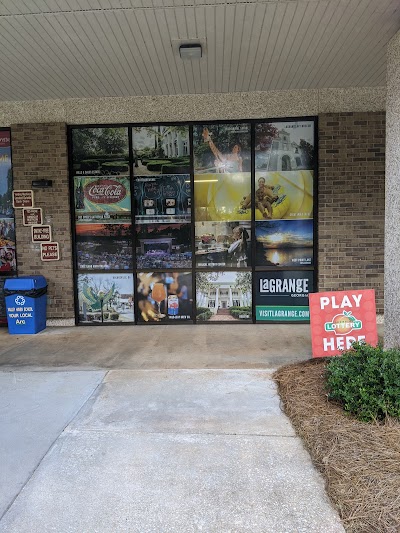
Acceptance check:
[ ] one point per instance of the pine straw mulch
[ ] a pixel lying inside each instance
(360, 462)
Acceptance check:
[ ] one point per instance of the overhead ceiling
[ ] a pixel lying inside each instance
(54, 49)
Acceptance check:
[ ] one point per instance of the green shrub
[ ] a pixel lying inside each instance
(114, 316)
(366, 381)
(106, 157)
(89, 164)
(114, 167)
(156, 164)
(170, 168)
(205, 316)
(242, 313)
(202, 310)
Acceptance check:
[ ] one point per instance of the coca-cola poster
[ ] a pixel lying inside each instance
(105, 200)
(165, 198)
(164, 297)
(100, 151)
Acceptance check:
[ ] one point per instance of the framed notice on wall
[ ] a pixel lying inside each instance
(50, 251)
(22, 199)
(32, 216)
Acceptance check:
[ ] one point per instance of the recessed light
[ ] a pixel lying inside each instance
(190, 51)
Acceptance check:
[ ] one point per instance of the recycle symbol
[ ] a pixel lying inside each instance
(20, 300)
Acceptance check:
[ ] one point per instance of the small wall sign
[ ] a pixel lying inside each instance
(22, 199)
(49, 251)
(41, 233)
(340, 318)
(32, 217)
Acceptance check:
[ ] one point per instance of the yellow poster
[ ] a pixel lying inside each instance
(284, 195)
(220, 197)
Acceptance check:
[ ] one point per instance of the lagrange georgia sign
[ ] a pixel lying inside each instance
(105, 191)
(340, 318)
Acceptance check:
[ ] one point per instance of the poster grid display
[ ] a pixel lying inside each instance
(206, 200)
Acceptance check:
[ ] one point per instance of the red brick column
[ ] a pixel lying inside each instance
(39, 151)
(352, 202)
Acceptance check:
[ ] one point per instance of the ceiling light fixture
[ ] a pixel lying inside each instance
(190, 51)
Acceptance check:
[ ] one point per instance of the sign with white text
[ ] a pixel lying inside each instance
(32, 217)
(340, 318)
(283, 296)
(41, 233)
(49, 251)
(22, 199)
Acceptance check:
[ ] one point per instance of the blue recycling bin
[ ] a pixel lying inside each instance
(26, 303)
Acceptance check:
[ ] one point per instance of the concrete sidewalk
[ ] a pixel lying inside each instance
(154, 451)
(149, 347)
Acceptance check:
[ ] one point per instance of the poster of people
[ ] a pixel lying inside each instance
(164, 246)
(223, 296)
(105, 298)
(283, 195)
(221, 148)
(164, 297)
(222, 197)
(284, 146)
(284, 243)
(163, 199)
(282, 296)
(100, 151)
(105, 200)
(161, 150)
(7, 225)
(223, 244)
(104, 246)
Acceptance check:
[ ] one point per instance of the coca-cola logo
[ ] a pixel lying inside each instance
(105, 192)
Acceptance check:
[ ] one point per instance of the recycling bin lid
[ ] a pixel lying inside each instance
(25, 283)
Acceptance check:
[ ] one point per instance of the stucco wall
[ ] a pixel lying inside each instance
(195, 107)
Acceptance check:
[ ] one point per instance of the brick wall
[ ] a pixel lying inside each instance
(352, 202)
(39, 151)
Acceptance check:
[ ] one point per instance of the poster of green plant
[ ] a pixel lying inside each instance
(160, 150)
(105, 298)
(100, 151)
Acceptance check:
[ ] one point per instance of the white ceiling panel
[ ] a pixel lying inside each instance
(92, 48)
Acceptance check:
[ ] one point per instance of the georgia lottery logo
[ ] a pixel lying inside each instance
(19, 300)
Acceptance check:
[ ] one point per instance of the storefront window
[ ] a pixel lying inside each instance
(193, 218)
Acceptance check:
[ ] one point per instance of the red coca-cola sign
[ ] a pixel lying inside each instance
(105, 191)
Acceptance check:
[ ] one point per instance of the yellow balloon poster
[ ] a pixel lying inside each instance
(220, 197)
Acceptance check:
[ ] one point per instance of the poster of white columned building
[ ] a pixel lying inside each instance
(223, 296)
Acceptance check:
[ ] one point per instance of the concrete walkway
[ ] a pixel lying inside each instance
(149, 347)
(152, 451)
